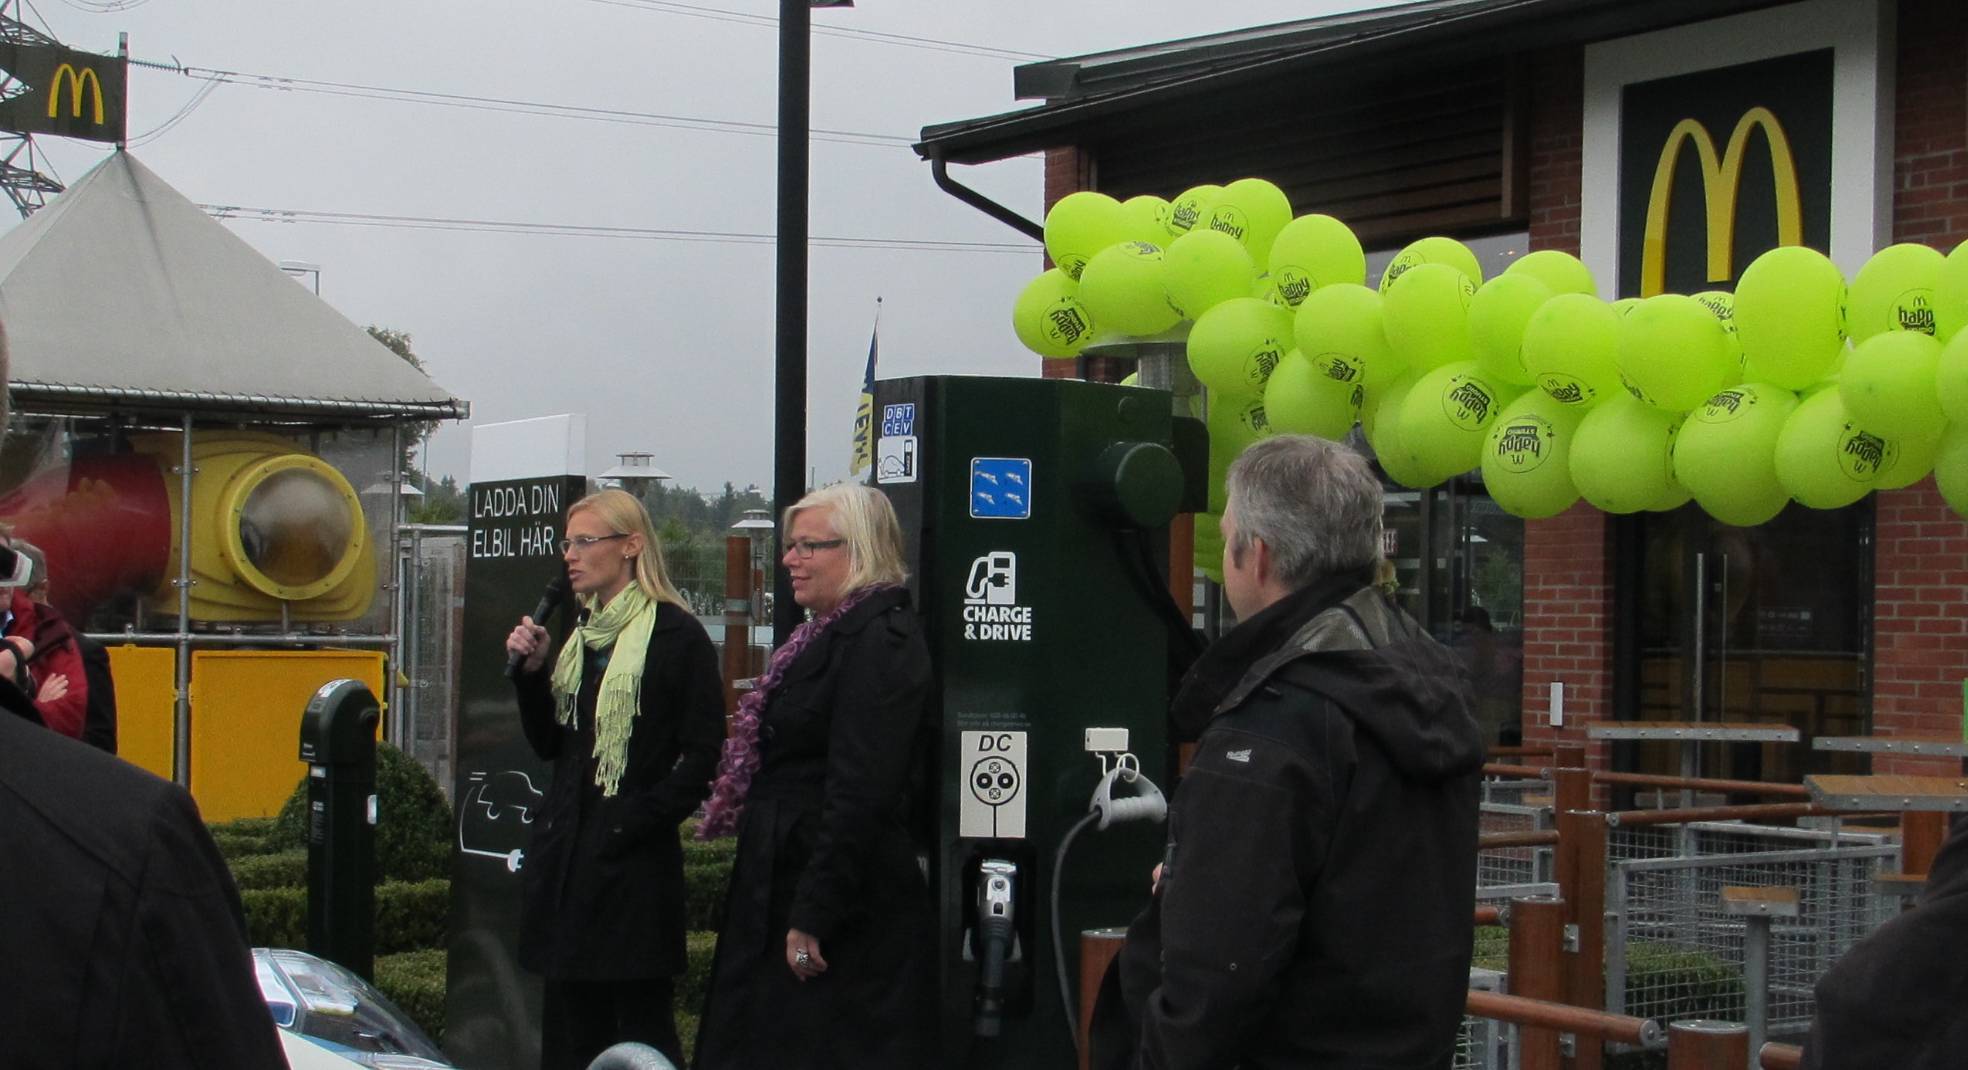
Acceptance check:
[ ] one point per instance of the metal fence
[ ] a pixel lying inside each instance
(432, 571)
(1510, 872)
(1481, 1043)
(1673, 954)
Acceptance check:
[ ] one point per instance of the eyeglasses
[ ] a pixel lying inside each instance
(804, 548)
(584, 542)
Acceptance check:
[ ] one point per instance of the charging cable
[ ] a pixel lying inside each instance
(1147, 804)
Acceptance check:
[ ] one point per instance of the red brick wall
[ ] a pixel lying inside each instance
(1920, 601)
(1568, 590)
(1066, 171)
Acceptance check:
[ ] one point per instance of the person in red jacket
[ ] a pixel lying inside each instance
(61, 681)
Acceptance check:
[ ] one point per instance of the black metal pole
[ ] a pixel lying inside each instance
(789, 381)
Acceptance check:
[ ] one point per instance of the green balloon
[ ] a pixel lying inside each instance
(1527, 456)
(1082, 224)
(1447, 415)
(1049, 317)
(1149, 215)
(1339, 328)
(1891, 380)
(1122, 288)
(1951, 469)
(1252, 211)
(1191, 208)
(1205, 269)
(1625, 305)
(1894, 291)
(1571, 349)
(1426, 314)
(1790, 317)
(1209, 545)
(1436, 250)
(1623, 456)
(1722, 305)
(1951, 378)
(1302, 400)
(1825, 459)
(1498, 314)
(1911, 462)
(1384, 437)
(1234, 347)
(1726, 453)
(1672, 352)
(1563, 272)
(1951, 294)
(1314, 251)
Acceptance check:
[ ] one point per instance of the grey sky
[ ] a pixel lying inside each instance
(665, 345)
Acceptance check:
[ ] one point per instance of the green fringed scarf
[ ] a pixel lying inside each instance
(625, 622)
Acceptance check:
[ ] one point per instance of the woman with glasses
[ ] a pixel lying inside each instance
(826, 955)
(631, 714)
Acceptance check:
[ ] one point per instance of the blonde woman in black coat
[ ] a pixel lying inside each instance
(825, 958)
(631, 714)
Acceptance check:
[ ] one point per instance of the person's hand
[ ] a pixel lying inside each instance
(528, 642)
(803, 955)
(15, 650)
(54, 687)
(1155, 879)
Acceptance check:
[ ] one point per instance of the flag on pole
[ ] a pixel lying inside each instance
(864, 413)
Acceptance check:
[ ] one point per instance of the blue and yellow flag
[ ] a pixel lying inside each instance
(864, 413)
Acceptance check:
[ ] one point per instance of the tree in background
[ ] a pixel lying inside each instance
(443, 501)
(693, 529)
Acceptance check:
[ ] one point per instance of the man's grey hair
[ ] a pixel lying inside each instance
(1314, 502)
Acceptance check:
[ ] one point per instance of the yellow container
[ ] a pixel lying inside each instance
(246, 722)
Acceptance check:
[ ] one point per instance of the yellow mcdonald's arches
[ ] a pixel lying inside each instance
(1721, 184)
(77, 80)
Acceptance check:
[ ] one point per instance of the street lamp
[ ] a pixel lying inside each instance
(789, 375)
(633, 472)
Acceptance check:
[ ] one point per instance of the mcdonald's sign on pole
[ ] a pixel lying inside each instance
(69, 93)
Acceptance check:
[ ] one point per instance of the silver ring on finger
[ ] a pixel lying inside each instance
(802, 958)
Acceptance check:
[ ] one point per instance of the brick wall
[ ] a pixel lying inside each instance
(1920, 549)
(1568, 590)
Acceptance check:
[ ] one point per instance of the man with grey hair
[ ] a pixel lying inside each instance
(1313, 907)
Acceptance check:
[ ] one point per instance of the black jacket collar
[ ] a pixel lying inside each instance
(1223, 665)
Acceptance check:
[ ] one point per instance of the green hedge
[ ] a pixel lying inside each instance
(279, 870)
(414, 981)
(247, 837)
(410, 915)
(413, 820)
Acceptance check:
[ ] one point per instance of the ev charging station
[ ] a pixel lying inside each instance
(1035, 514)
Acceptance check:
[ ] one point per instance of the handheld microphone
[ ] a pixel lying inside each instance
(550, 600)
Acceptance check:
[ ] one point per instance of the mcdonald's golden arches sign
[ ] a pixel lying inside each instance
(1720, 165)
(69, 93)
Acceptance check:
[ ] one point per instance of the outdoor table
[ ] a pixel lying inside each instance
(1924, 746)
(1921, 802)
(1691, 736)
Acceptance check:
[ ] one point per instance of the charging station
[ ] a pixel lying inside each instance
(1035, 514)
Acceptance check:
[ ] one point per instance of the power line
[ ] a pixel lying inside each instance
(507, 105)
(580, 230)
(745, 18)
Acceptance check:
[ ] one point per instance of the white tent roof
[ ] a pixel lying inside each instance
(122, 290)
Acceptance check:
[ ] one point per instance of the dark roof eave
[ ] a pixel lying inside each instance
(1525, 25)
(26, 394)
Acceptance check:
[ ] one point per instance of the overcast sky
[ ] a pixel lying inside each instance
(666, 345)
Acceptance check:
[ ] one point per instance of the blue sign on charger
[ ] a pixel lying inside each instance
(1000, 488)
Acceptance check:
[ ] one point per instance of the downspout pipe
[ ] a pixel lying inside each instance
(940, 168)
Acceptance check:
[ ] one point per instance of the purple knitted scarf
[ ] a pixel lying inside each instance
(741, 754)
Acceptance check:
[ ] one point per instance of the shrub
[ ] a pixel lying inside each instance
(284, 868)
(695, 983)
(413, 826)
(704, 886)
(246, 837)
(415, 981)
(410, 915)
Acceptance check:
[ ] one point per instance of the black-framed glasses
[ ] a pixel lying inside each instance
(805, 548)
(583, 542)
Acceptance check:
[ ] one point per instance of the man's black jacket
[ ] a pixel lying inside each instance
(1315, 906)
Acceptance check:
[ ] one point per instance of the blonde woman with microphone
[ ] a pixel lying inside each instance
(630, 711)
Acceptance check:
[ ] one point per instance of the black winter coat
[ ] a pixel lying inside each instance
(1315, 901)
(602, 880)
(122, 942)
(826, 846)
(1895, 1001)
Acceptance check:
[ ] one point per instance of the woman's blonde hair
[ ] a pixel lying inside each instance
(624, 514)
(863, 516)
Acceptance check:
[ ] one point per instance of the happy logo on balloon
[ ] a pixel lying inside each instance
(1230, 219)
(1468, 403)
(1065, 323)
(1566, 389)
(1263, 360)
(1523, 443)
(1914, 309)
(1863, 455)
(1293, 285)
(1724, 407)
(1339, 367)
